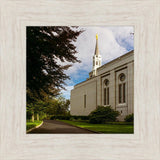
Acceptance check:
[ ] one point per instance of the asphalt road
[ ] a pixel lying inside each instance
(55, 127)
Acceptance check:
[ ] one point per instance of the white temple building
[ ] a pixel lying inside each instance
(111, 84)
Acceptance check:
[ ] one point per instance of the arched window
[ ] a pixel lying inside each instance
(122, 77)
(122, 88)
(106, 82)
(106, 92)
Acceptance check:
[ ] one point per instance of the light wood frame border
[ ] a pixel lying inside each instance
(15, 144)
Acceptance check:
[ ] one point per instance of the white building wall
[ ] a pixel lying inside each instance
(77, 98)
(99, 91)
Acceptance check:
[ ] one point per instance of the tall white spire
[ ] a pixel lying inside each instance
(97, 60)
(96, 49)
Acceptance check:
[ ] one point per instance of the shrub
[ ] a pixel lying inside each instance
(61, 117)
(69, 117)
(129, 118)
(72, 119)
(80, 117)
(103, 114)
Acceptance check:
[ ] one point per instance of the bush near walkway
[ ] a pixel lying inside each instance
(129, 118)
(103, 114)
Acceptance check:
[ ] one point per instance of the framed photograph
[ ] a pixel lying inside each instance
(125, 83)
(80, 80)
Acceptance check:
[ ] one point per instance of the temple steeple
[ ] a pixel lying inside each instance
(96, 49)
(96, 59)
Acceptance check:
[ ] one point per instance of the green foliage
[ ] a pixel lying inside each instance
(102, 115)
(29, 114)
(61, 117)
(69, 117)
(51, 106)
(104, 128)
(129, 118)
(81, 117)
(72, 119)
(57, 106)
(45, 46)
(30, 124)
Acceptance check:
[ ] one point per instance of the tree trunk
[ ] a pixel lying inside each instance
(37, 116)
(33, 117)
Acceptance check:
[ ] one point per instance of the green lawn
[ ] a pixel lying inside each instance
(31, 124)
(116, 127)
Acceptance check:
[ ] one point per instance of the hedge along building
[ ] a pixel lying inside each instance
(111, 84)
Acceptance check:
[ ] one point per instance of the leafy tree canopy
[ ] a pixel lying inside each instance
(50, 106)
(45, 47)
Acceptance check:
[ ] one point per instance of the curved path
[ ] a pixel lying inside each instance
(53, 126)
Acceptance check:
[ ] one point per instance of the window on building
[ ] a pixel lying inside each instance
(106, 82)
(106, 92)
(122, 77)
(104, 96)
(120, 93)
(108, 96)
(122, 88)
(96, 62)
(85, 101)
(124, 93)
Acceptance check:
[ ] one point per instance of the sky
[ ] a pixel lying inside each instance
(112, 41)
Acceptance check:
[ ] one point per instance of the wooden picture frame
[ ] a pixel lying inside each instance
(15, 144)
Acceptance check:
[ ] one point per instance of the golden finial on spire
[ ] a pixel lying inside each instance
(96, 36)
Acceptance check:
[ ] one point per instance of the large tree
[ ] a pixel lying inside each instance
(45, 47)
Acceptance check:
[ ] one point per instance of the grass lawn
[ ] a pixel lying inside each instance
(116, 127)
(31, 124)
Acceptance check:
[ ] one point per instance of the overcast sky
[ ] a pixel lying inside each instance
(113, 42)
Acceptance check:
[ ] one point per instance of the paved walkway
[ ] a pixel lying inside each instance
(53, 126)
